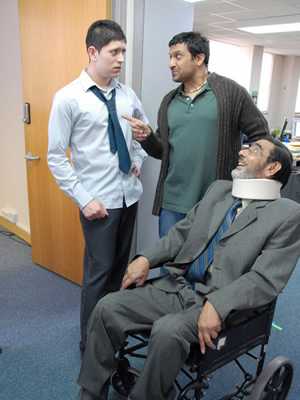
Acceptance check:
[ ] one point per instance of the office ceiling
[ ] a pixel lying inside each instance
(219, 19)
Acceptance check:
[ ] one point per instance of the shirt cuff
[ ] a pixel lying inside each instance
(82, 199)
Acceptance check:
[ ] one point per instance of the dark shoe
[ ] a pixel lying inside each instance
(81, 348)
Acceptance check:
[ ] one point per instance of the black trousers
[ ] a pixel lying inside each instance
(107, 247)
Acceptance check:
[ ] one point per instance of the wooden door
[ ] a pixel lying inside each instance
(53, 53)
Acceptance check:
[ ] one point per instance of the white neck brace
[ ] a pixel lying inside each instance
(256, 189)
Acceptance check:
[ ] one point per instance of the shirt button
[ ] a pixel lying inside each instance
(192, 105)
(174, 276)
(191, 258)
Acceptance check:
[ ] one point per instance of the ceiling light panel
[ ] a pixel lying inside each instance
(278, 28)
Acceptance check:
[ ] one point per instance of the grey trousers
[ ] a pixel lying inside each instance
(173, 318)
(106, 253)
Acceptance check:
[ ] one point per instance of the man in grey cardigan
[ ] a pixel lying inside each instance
(252, 263)
(200, 127)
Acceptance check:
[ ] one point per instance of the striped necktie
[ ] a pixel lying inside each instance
(196, 272)
(116, 136)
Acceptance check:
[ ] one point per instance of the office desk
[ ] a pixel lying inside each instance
(294, 148)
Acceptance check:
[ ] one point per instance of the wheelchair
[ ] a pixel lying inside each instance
(242, 334)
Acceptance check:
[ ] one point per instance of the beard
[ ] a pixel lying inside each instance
(244, 174)
(248, 173)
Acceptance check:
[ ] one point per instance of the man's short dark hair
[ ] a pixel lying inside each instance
(102, 32)
(282, 154)
(195, 42)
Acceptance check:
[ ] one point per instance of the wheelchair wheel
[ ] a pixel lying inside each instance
(124, 385)
(193, 391)
(229, 396)
(275, 380)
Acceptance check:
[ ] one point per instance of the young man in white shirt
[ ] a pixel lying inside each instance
(105, 193)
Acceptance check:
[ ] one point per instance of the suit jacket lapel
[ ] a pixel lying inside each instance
(220, 210)
(248, 215)
(202, 233)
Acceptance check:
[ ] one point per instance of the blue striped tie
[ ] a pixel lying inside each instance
(197, 270)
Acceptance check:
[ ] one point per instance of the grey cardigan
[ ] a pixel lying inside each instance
(237, 114)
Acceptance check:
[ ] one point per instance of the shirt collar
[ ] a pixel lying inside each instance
(87, 82)
(245, 203)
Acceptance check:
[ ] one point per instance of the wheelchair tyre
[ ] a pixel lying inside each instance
(193, 391)
(275, 380)
(118, 384)
(228, 396)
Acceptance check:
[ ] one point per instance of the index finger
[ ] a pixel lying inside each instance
(126, 281)
(131, 119)
(202, 342)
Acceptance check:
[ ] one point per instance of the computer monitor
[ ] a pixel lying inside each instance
(296, 128)
(284, 124)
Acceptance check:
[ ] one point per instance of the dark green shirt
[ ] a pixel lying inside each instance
(193, 126)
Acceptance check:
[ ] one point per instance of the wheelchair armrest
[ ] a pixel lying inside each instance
(238, 316)
(242, 331)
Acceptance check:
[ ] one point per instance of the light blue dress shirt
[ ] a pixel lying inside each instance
(79, 120)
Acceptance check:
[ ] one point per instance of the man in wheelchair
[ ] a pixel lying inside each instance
(217, 262)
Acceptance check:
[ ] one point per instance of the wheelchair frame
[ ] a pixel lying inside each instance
(243, 332)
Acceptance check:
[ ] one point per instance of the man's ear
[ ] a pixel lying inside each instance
(92, 52)
(200, 58)
(272, 168)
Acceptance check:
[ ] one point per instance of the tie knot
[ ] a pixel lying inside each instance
(233, 209)
(237, 204)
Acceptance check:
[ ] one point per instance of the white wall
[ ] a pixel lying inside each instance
(13, 181)
(283, 96)
(257, 57)
(163, 19)
(247, 72)
(288, 89)
(240, 63)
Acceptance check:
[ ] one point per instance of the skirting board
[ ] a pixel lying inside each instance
(16, 230)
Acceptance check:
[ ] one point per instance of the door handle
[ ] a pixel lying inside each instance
(29, 156)
(26, 118)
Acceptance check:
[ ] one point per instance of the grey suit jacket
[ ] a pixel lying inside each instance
(254, 259)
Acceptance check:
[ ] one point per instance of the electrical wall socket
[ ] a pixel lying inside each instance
(11, 216)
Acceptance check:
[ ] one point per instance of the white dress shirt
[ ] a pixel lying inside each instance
(79, 120)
